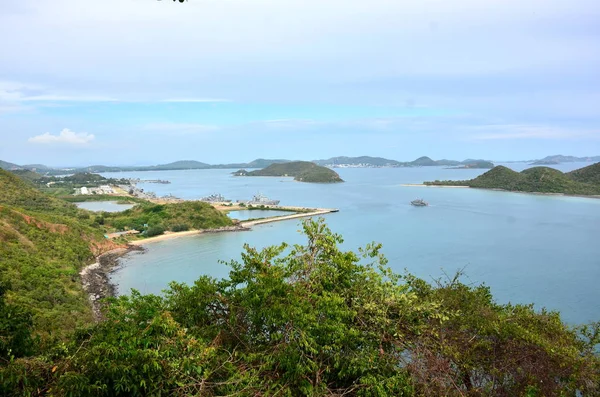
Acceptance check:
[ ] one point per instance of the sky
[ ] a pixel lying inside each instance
(135, 82)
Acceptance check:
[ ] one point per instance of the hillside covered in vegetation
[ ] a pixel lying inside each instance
(537, 179)
(44, 243)
(154, 219)
(313, 320)
(589, 174)
(302, 171)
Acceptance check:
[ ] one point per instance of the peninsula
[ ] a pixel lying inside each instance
(302, 171)
(584, 181)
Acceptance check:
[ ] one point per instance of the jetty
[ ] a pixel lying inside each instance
(296, 213)
(314, 212)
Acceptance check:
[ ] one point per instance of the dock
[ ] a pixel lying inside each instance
(315, 212)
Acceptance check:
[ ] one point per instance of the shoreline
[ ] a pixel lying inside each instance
(95, 276)
(172, 235)
(95, 280)
(590, 196)
(423, 185)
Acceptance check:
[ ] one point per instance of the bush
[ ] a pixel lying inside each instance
(155, 231)
(180, 228)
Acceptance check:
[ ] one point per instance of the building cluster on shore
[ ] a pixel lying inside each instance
(104, 189)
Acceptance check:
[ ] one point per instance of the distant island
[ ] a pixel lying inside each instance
(475, 164)
(302, 171)
(558, 159)
(584, 181)
(377, 162)
(333, 162)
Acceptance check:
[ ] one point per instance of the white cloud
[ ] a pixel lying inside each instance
(66, 136)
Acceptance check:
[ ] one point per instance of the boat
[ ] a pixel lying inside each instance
(215, 198)
(259, 199)
(419, 203)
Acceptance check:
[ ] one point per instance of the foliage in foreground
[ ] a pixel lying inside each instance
(316, 321)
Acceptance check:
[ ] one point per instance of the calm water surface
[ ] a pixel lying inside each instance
(107, 206)
(527, 248)
(244, 215)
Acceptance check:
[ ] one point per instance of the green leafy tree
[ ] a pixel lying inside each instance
(314, 320)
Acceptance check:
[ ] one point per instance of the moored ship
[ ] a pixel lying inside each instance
(215, 198)
(259, 199)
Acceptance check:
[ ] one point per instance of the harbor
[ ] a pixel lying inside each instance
(297, 213)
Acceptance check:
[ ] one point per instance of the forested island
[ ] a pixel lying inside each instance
(474, 164)
(302, 171)
(583, 181)
(312, 320)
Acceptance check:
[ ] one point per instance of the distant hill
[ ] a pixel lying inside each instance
(447, 162)
(5, 165)
(535, 180)
(180, 165)
(340, 161)
(474, 164)
(258, 163)
(361, 160)
(303, 171)
(37, 167)
(423, 161)
(557, 159)
(428, 162)
(589, 174)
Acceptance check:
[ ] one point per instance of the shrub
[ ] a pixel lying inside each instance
(180, 228)
(155, 231)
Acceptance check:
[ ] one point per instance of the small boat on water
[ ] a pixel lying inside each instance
(419, 203)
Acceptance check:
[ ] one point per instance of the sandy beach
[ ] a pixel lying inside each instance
(171, 235)
(242, 226)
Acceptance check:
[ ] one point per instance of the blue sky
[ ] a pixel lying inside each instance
(124, 82)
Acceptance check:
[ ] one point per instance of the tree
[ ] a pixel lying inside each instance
(15, 329)
(315, 320)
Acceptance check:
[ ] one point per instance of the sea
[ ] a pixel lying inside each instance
(528, 248)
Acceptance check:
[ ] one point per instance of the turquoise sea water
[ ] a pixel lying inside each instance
(244, 215)
(528, 248)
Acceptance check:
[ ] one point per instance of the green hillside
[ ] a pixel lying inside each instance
(167, 217)
(44, 243)
(535, 180)
(589, 174)
(20, 193)
(303, 171)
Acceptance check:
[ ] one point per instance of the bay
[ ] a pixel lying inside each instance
(528, 248)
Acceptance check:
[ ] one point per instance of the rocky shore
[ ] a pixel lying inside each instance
(95, 281)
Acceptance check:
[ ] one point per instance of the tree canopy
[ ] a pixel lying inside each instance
(315, 320)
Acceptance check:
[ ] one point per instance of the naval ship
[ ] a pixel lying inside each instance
(259, 199)
(215, 198)
(419, 203)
